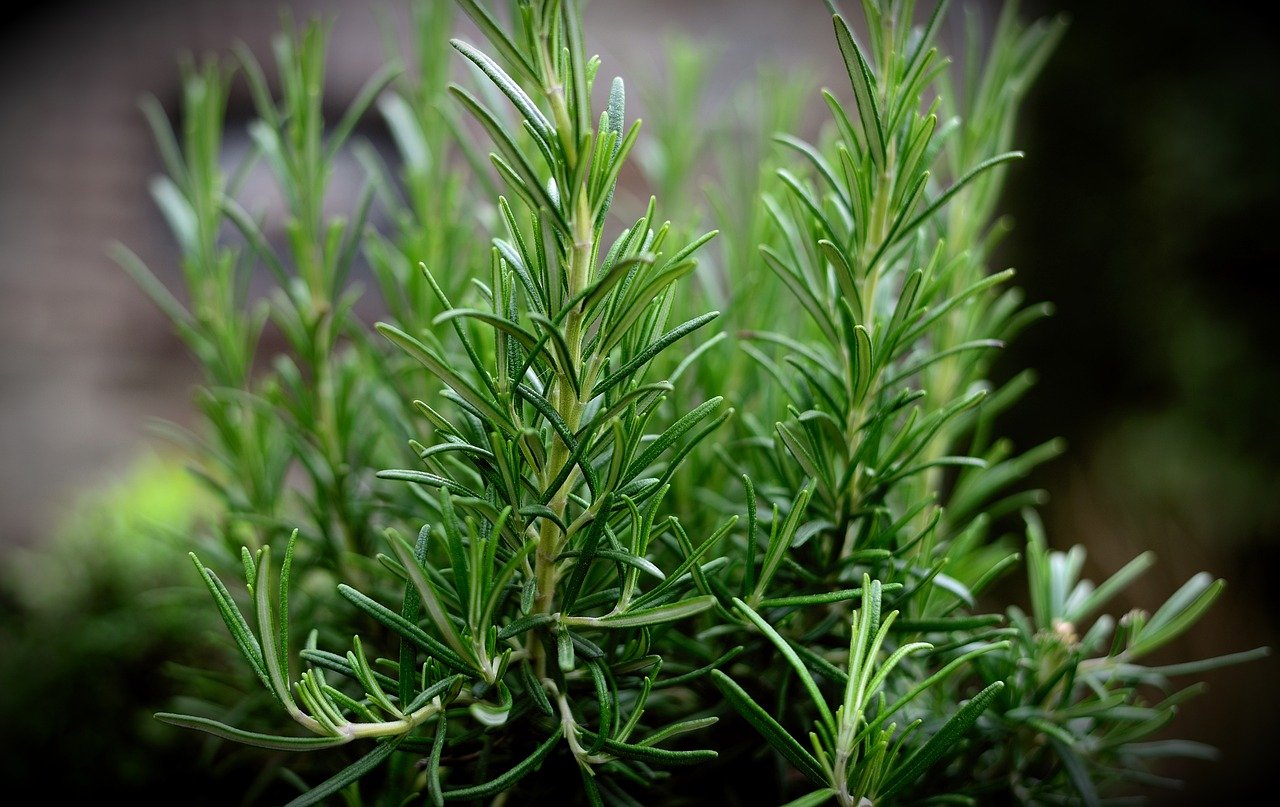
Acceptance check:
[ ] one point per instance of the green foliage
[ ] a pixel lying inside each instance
(93, 620)
(605, 561)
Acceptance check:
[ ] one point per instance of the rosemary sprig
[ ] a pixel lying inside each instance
(589, 582)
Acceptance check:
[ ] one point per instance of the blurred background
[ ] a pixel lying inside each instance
(1146, 211)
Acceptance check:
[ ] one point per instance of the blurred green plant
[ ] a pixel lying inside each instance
(91, 620)
(574, 602)
(153, 499)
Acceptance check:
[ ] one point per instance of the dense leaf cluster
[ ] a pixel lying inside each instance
(587, 584)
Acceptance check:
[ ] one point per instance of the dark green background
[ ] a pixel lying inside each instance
(1148, 211)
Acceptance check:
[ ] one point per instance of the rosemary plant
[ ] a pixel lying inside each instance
(545, 604)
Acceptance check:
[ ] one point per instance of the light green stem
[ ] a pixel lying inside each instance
(564, 398)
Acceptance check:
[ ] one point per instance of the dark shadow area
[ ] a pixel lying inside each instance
(1146, 213)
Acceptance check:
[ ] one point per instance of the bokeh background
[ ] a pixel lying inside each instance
(1147, 211)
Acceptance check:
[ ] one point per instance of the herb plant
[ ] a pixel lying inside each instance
(584, 581)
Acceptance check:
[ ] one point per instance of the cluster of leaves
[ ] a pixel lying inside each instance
(573, 599)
